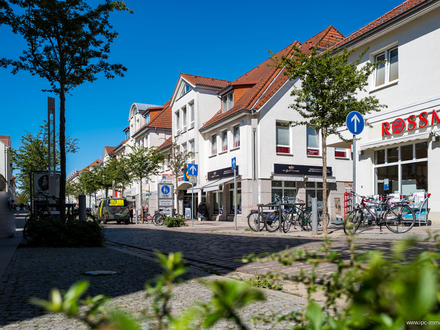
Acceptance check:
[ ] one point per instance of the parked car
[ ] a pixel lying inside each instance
(114, 209)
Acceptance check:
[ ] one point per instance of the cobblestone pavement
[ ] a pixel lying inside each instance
(33, 272)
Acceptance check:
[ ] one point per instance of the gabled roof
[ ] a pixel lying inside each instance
(166, 144)
(109, 149)
(95, 163)
(269, 78)
(204, 81)
(397, 11)
(6, 139)
(120, 145)
(162, 120)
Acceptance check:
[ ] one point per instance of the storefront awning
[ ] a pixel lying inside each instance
(395, 140)
(288, 178)
(199, 187)
(216, 185)
(319, 179)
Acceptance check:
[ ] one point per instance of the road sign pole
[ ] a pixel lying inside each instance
(354, 170)
(235, 198)
(192, 204)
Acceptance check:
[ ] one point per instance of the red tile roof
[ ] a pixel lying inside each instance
(109, 149)
(400, 9)
(269, 78)
(198, 80)
(6, 139)
(163, 118)
(166, 144)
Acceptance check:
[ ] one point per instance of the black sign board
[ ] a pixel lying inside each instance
(300, 169)
(221, 173)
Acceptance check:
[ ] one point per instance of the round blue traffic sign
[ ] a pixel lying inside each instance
(165, 190)
(355, 123)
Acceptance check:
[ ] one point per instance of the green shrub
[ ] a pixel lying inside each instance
(49, 232)
(174, 222)
(261, 282)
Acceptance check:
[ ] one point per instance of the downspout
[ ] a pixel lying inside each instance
(254, 124)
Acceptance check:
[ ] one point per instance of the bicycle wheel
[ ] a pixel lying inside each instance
(400, 218)
(158, 219)
(252, 219)
(320, 220)
(286, 222)
(352, 221)
(305, 219)
(272, 221)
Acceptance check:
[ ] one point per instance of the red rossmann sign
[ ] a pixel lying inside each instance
(399, 125)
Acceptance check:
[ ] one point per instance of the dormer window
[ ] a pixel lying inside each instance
(147, 119)
(227, 102)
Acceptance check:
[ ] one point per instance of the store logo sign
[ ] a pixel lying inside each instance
(399, 125)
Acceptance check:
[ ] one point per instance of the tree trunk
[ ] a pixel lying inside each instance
(62, 154)
(324, 180)
(140, 193)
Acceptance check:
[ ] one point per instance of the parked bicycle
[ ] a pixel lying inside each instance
(159, 217)
(398, 217)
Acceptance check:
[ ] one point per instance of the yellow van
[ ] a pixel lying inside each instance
(114, 209)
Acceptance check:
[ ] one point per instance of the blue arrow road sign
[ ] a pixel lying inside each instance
(355, 123)
(234, 163)
(193, 169)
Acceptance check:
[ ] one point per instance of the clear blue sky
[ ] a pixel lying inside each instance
(160, 40)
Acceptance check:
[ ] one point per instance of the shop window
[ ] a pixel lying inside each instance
(284, 189)
(314, 189)
(282, 138)
(405, 168)
(214, 145)
(341, 153)
(312, 141)
(217, 203)
(237, 136)
(231, 198)
(388, 70)
(225, 141)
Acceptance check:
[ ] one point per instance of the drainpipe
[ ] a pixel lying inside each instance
(254, 122)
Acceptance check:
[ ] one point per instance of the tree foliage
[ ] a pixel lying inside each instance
(32, 155)
(68, 44)
(142, 162)
(327, 93)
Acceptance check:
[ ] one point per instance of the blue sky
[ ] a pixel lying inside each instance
(158, 42)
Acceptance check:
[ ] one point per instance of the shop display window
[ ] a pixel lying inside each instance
(283, 189)
(231, 198)
(217, 203)
(314, 189)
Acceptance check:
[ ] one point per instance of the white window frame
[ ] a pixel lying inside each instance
(385, 52)
(236, 144)
(314, 149)
(177, 115)
(347, 153)
(192, 114)
(284, 127)
(227, 101)
(213, 140)
(184, 119)
(184, 147)
(192, 145)
(224, 137)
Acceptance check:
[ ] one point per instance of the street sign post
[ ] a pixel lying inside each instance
(355, 124)
(193, 170)
(234, 167)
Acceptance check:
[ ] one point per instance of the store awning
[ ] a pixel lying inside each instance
(395, 140)
(216, 185)
(199, 187)
(130, 192)
(319, 179)
(288, 178)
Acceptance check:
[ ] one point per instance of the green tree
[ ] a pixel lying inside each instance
(177, 161)
(68, 44)
(32, 155)
(103, 177)
(143, 162)
(329, 83)
(118, 172)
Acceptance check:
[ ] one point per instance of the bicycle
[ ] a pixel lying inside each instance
(297, 215)
(269, 219)
(147, 217)
(398, 217)
(159, 218)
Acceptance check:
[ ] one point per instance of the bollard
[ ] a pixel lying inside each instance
(314, 216)
(82, 207)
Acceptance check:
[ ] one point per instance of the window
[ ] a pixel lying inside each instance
(191, 113)
(147, 119)
(283, 138)
(341, 153)
(184, 119)
(214, 145)
(184, 147)
(405, 168)
(192, 148)
(312, 142)
(237, 136)
(314, 189)
(217, 202)
(227, 102)
(231, 198)
(177, 120)
(284, 189)
(225, 141)
(388, 70)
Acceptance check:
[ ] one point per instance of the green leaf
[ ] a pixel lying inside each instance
(314, 315)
